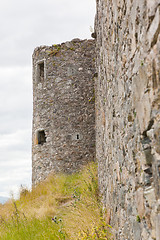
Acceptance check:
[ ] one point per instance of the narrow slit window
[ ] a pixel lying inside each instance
(41, 72)
(77, 136)
(41, 137)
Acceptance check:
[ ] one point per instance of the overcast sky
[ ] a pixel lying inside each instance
(25, 25)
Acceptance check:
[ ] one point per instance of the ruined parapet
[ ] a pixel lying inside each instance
(128, 115)
(63, 138)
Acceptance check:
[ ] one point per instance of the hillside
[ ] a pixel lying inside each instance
(61, 207)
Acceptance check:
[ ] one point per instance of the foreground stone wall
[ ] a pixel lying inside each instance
(63, 108)
(128, 115)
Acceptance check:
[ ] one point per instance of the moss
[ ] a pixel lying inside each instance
(55, 50)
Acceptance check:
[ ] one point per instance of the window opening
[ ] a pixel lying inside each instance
(77, 136)
(41, 71)
(41, 137)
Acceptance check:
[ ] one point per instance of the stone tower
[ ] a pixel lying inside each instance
(63, 136)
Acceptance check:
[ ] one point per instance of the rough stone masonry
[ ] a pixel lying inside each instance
(128, 115)
(63, 108)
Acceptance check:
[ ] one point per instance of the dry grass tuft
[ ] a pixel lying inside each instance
(69, 203)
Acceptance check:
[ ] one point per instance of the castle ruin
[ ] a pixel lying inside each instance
(126, 112)
(63, 108)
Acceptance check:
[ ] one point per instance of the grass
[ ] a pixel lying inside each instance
(62, 207)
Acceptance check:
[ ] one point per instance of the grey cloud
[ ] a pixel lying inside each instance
(16, 141)
(12, 176)
(16, 99)
(26, 24)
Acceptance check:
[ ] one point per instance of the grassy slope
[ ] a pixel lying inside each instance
(62, 207)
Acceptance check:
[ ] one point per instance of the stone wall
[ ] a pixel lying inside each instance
(63, 107)
(128, 115)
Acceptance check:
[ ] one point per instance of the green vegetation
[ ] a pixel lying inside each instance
(138, 218)
(55, 50)
(62, 207)
(72, 48)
